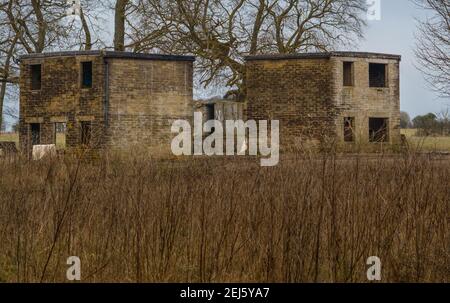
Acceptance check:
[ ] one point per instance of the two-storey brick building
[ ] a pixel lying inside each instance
(348, 96)
(119, 100)
(103, 99)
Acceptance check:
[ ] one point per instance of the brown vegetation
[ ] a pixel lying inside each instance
(211, 220)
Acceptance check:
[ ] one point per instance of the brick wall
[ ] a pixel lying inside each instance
(298, 93)
(363, 102)
(60, 99)
(144, 97)
(307, 95)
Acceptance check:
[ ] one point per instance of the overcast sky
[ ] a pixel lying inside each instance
(394, 33)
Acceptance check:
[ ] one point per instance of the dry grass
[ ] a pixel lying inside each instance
(425, 144)
(431, 143)
(225, 220)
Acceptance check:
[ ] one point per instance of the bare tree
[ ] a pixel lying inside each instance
(39, 24)
(86, 31)
(137, 27)
(8, 70)
(221, 33)
(405, 120)
(433, 45)
(26, 27)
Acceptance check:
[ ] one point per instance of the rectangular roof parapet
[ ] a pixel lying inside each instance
(109, 54)
(324, 55)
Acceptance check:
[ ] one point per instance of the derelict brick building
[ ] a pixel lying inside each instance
(103, 99)
(354, 97)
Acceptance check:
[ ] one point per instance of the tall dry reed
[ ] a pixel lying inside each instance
(310, 219)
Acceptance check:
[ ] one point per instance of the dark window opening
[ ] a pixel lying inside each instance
(86, 74)
(378, 130)
(377, 75)
(60, 135)
(86, 133)
(349, 129)
(210, 112)
(348, 74)
(35, 129)
(36, 77)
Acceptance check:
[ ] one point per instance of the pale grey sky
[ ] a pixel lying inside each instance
(394, 33)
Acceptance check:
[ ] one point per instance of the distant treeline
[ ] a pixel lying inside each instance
(427, 125)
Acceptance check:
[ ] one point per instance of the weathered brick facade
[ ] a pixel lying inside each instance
(133, 99)
(306, 93)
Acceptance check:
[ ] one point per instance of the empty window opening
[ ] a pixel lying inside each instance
(36, 77)
(349, 129)
(35, 129)
(60, 135)
(348, 74)
(86, 133)
(210, 112)
(379, 130)
(377, 75)
(86, 74)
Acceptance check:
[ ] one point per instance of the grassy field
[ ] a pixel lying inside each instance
(426, 143)
(416, 143)
(10, 137)
(310, 219)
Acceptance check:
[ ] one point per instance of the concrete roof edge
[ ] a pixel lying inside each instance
(109, 54)
(323, 55)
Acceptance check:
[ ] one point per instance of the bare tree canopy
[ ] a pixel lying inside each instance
(35, 26)
(137, 27)
(86, 32)
(433, 45)
(221, 33)
(38, 24)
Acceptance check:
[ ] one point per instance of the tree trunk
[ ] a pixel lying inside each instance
(119, 25)
(2, 97)
(42, 27)
(87, 32)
